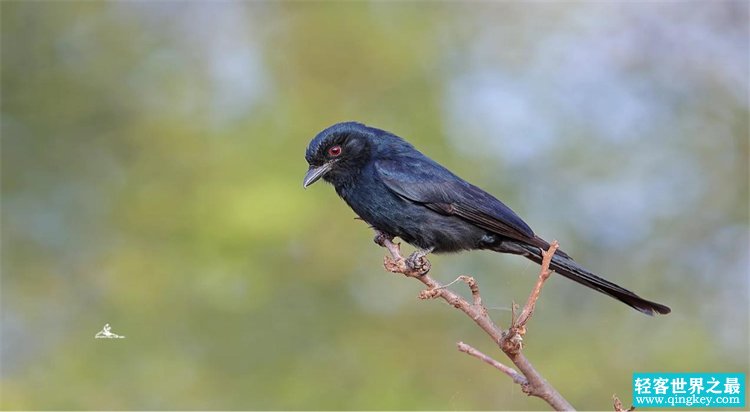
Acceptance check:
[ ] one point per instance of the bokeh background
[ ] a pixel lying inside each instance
(152, 159)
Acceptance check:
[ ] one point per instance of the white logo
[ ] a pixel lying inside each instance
(106, 333)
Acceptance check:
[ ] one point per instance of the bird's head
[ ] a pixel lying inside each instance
(338, 153)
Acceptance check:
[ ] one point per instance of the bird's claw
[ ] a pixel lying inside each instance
(418, 263)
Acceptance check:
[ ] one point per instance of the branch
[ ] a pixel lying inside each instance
(544, 273)
(517, 377)
(532, 383)
(618, 405)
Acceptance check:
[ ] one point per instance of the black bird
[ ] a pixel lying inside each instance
(401, 192)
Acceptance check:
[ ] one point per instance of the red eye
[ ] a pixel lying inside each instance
(334, 151)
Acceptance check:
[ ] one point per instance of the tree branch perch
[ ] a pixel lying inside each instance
(510, 341)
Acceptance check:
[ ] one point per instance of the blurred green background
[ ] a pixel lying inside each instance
(152, 159)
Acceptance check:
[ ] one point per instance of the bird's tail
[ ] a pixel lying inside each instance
(564, 265)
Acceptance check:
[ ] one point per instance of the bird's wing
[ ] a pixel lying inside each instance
(422, 180)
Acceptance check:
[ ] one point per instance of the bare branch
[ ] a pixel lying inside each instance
(513, 341)
(509, 341)
(618, 405)
(517, 377)
(544, 274)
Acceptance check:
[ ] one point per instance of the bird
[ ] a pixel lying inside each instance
(401, 192)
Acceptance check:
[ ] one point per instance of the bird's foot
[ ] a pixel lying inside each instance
(418, 263)
(380, 238)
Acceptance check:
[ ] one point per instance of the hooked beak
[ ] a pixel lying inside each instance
(315, 173)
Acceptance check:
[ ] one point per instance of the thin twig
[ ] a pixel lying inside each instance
(513, 341)
(544, 274)
(517, 377)
(618, 405)
(508, 341)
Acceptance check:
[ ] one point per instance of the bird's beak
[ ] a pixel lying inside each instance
(315, 173)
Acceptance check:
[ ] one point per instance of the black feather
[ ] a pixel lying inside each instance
(401, 192)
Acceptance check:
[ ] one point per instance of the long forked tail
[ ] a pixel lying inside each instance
(564, 265)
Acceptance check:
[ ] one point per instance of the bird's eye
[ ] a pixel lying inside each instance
(334, 151)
